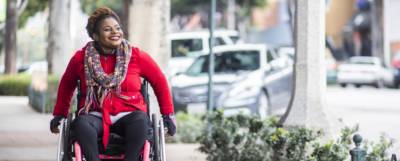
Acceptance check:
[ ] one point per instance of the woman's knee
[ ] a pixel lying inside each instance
(85, 122)
(138, 117)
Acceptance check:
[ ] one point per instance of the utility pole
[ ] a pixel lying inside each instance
(210, 101)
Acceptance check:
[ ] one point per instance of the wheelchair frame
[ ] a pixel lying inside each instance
(152, 150)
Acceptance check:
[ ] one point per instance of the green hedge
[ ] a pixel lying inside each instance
(247, 138)
(14, 85)
(43, 101)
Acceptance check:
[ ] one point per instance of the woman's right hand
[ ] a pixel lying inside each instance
(54, 124)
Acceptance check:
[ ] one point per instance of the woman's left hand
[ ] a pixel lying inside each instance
(170, 124)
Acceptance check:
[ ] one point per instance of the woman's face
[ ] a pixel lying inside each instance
(110, 34)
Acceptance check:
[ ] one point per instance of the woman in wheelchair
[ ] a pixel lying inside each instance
(110, 70)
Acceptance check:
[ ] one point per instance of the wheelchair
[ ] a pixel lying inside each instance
(153, 150)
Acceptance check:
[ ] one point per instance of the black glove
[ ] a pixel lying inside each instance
(170, 123)
(54, 124)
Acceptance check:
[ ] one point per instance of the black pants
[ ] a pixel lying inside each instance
(133, 127)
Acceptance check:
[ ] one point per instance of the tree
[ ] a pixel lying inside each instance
(233, 9)
(25, 10)
(11, 37)
(59, 40)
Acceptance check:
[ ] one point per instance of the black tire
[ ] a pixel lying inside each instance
(343, 85)
(264, 108)
(379, 84)
(156, 138)
(357, 85)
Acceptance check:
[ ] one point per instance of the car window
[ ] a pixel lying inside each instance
(219, 41)
(270, 55)
(183, 47)
(234, 39)
(227, 62)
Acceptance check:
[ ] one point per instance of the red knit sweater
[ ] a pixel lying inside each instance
(140, 65)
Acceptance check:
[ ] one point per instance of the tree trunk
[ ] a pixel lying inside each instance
(231, 17)
(148, 28)
(307, 107)
(59, 38)
(11, 38)
(125, 18)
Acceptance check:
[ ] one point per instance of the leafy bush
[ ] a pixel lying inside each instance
(334, 150)
(189, 128)
(44, 100)
(14, 85)
(379, 151)
(247, 138)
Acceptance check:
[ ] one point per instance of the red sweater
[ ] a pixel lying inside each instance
(140, 65)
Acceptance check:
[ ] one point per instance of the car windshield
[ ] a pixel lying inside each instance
(184, 47)
(227, 62)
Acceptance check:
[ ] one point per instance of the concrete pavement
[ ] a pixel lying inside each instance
(25, 135)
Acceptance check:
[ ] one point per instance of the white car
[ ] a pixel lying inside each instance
(248, 78)
(186, 46)
(363, 70)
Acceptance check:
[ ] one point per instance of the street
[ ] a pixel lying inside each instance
(24, 133)
(376, 111)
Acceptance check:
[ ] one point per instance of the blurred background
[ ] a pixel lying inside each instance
(254, 58)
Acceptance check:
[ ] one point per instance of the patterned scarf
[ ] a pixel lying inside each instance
(100, 84)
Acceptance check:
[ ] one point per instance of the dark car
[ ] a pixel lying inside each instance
(248, 78)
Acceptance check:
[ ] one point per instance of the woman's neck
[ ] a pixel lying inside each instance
(103, 50)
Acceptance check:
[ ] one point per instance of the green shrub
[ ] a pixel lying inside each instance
(43, 101)
(189, 128)
(14, 85)
(334, 150)
(379, 151)
(247, 138)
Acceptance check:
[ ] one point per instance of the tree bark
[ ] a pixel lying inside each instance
(11, 37)
(59, 37)
(125, 18)
(148, 29)
(307, 107)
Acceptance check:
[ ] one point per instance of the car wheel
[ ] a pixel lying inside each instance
(379, 84)
(263, 105)
(343, 85)
(358, 85)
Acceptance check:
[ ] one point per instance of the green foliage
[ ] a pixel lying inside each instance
(31, 9)
(88, 6)
(189, 128)
(334, 151)
(179, 7)
(43, 101)
(14, 85)
(247, 138)
(237, 138)
(379, 151)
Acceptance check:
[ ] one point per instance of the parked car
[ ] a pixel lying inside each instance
(248, 78)
(186, 46)
(396, 66)
(363, 70)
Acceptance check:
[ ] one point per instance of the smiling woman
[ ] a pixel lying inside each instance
(110, 72)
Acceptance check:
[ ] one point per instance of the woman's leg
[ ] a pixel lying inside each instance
(87, 129)
(134, 128)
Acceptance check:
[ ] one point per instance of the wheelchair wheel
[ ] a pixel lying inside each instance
(156, 138)
(63, 149)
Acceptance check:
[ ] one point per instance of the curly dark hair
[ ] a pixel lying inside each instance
(98, 16)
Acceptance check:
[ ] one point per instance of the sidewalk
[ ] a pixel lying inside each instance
(25, 136)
